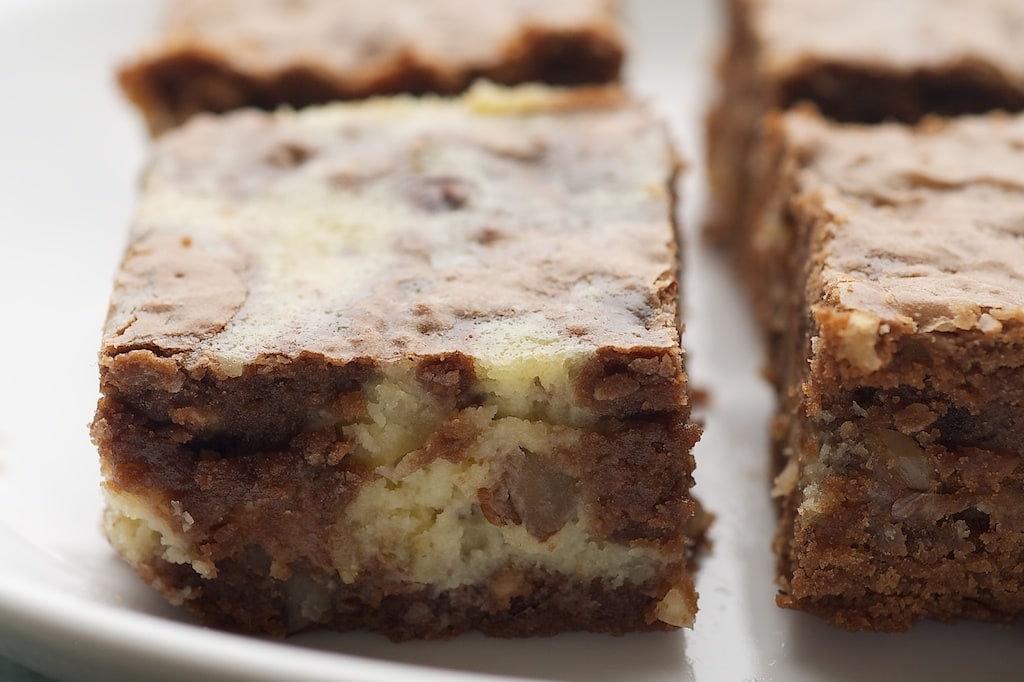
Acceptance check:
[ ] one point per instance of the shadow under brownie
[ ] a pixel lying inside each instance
(409, 365)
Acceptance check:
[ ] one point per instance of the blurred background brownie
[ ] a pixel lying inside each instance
(860, 61)
(218, 56)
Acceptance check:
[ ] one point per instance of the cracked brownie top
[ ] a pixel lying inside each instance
(529, 229)
(928, 235)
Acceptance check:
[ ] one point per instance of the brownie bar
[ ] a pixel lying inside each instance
(224, 55)
(861, 61)
(902, 479)
(408, 365)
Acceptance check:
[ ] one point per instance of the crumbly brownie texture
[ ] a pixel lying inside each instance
(859, 61)
(406, 365)
(902, 479)
(218, 56)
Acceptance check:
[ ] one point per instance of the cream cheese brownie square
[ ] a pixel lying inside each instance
(406, 365)
(902, 480)
(218, 56)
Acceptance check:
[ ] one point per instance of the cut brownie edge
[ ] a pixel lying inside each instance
(250, 596)
(292, 509)
(954, 89)
(626, 482)
(178, 86)
(909, 533)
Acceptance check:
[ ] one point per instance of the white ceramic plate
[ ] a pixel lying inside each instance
(70, 150)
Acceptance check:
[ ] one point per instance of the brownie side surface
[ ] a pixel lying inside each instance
(900, 475)
(407, 365)
(267, 53)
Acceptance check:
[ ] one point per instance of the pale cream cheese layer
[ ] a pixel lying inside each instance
(422, 520)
